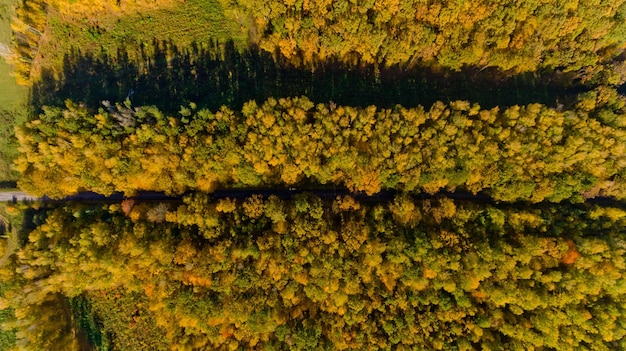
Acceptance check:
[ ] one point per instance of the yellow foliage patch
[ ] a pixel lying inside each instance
(190, 279)
(429, 273)
(95, 9)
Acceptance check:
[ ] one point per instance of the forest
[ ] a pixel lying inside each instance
(531, 153)
(471, 156)
(513, 35)
(308, 274)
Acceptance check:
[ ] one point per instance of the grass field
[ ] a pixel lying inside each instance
(12, 99)
(10, 92)
(184, 23)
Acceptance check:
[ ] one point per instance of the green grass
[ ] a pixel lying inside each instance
(10, 92)
(12, 99)
(11, 114)
(194, 21)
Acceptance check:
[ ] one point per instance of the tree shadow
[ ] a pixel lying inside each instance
(218, 74)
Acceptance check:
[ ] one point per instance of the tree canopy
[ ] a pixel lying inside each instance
(511, 35)
(306, 274)
(300, 272)
(527, 152)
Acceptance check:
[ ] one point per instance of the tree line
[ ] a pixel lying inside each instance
(218, 73)
(516, 36)
(530, 153)
(305, 274)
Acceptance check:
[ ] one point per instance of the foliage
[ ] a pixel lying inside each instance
(301, 273)
(511, 35)
(89, 324)
(90, 10)
(520, 153)
(10, 224)
(305, 274)
(7, 334)
(128, 320)
(9, 119)
(7, 337)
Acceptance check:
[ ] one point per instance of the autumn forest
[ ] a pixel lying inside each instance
(314, 175)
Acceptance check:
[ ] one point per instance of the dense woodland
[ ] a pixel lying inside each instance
(537, 268)
(305, 274)
(528, 152)
(512, 35)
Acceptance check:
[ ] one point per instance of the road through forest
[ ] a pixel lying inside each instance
(285, 194)
(17, 195)
(289, 193)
